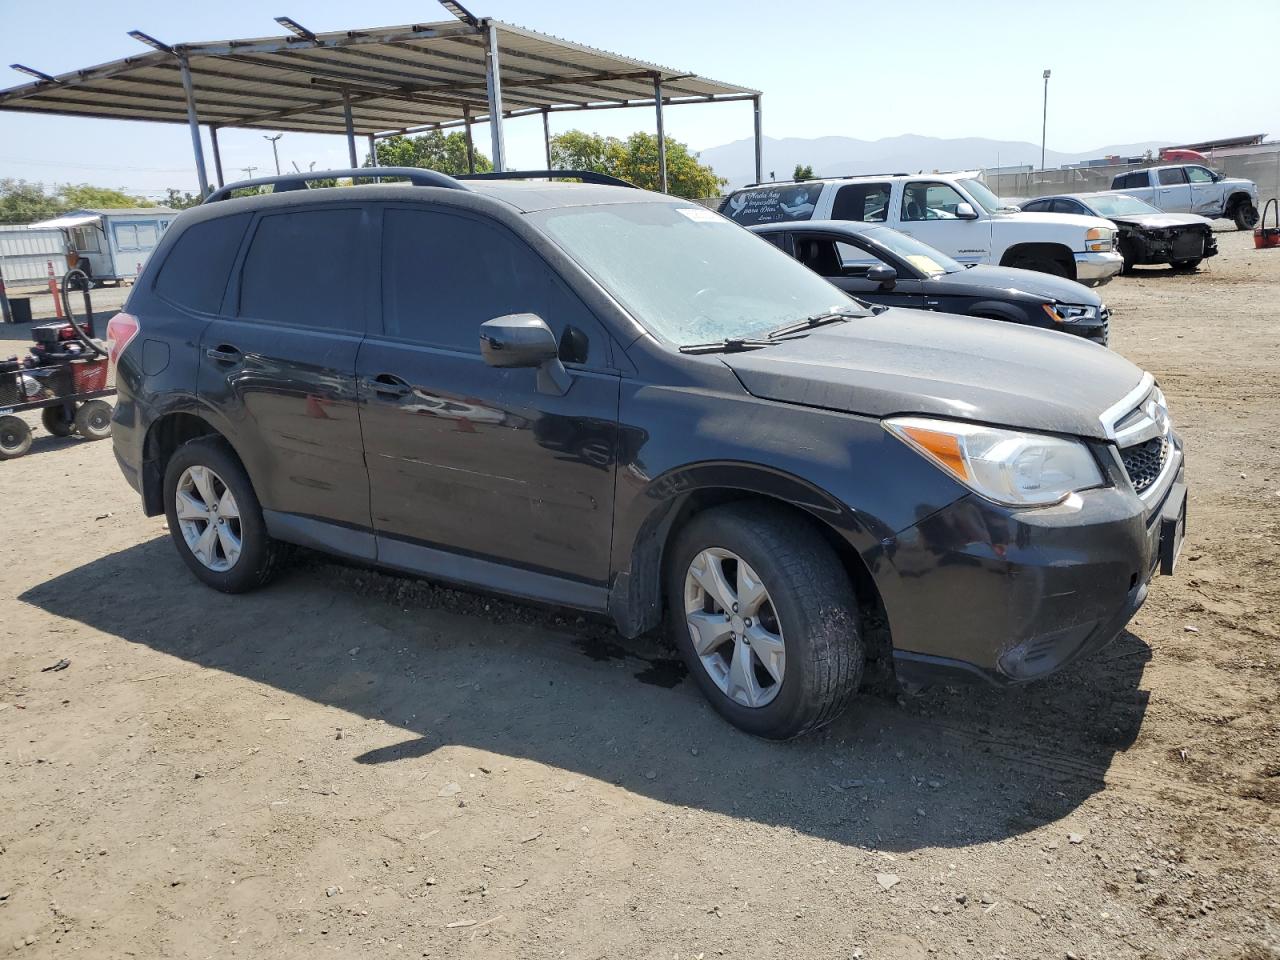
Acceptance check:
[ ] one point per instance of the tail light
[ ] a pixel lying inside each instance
(121, 329)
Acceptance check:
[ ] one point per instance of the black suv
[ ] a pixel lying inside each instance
(608, 399)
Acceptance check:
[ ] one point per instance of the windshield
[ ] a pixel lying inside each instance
(687, 274)
(1118, 205)
(923, 257)
(980, 192)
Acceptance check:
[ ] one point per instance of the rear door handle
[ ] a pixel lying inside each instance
(224, 353)
(387, 386)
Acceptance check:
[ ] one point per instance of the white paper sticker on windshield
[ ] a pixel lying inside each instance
(926, 264)
(700, 214)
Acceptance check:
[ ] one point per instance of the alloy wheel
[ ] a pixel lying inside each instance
(734, 627)
(209, 518)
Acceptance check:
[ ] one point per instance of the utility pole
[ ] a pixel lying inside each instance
(248, 172)
(1044, 122)
(274, 151)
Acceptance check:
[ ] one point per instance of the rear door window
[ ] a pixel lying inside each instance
(864, 202)
(1172, 176)
(197, 267)
(1036, 206)
(305, 268)
(444, 274)
(771, 204)
(1066, 206)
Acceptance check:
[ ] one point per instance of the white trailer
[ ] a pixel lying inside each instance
(29, 257)
(109, 244)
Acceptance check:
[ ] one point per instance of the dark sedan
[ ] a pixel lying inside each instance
(880, 265)
(1147, 235)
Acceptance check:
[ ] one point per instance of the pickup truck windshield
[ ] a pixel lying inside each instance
(688, 274)
(923, 257)
(1119, 206)
(982, 193)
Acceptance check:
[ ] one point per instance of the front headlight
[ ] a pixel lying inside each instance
(1008, 466)
(1070, 312)
(1099, 239)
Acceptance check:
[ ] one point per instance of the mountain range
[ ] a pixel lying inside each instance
(909, 153)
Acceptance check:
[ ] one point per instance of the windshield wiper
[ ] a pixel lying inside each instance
(730, 345)
(835, 315)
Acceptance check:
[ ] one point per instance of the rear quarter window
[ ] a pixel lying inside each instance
(772, 204)
(195, 272)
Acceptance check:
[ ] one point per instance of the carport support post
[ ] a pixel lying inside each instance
(662, 137)
(493, 87)
(373, 151)
(351, 130)
(471, 147)
(217, 157)
(546, 133)
(759, 141)
(194, 123)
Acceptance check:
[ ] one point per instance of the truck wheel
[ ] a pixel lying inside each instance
(93, 420)
(766, 620)
(1245, 215)
(1186, 266)
(215, 520)
(15, 437)
(1042, 264)
(55, 421)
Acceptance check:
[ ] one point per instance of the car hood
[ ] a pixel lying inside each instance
(966, 368)
(1011, 280)
(1160, 221)
(1054, 219)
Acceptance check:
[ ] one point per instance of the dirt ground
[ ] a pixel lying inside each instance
(370, 766)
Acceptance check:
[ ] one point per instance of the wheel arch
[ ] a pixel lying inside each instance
(1237, 198)
(164, 436)
(997, 310)
(635, 596)
(1041, 251)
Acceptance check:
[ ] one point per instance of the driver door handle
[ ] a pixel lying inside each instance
(387, 386)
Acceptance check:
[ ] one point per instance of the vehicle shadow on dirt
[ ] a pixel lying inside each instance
(950, 768)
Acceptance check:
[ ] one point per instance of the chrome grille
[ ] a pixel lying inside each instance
(1144, 461)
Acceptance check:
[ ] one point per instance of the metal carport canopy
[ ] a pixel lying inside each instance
(372, 82)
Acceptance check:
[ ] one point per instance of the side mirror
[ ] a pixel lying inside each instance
(525, 340)
(884, 275)
(965, 211)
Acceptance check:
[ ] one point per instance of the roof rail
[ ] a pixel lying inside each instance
(843, 176)
(298, 181)
(586, 176)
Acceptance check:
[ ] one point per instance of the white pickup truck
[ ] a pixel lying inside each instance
(1191, 188)
(954, 212)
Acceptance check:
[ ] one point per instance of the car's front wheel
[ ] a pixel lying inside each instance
(1245, 214)
(215, 520)
(765, 618)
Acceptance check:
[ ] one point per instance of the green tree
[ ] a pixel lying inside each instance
(434, 150)
(77, 195)
(803, 171)
(23, 202)
(178, 200)
(636, 159)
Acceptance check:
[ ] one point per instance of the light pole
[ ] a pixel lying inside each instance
(1044, 121)
(274, 152)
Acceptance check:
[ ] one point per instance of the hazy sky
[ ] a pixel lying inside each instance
(1122, 72)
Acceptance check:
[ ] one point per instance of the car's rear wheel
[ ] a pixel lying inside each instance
(765, 618)
(215, 519)
(1245, 214)
(15, 437)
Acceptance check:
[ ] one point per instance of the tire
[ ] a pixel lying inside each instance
(809, 612)
(15, 438)
(55, 421)
(1245, 215)
(93, 420)
(1186, 266)
(1049, 265)
(258, 556)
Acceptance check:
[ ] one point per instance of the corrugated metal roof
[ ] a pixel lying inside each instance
(397, 77)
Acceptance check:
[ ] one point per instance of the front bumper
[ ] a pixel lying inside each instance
(981, 591)
(1093, 269)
